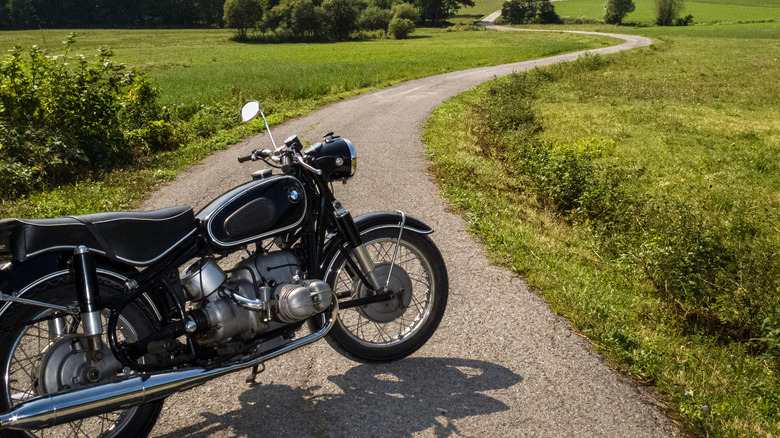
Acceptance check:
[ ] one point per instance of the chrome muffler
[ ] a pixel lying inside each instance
(51, 410)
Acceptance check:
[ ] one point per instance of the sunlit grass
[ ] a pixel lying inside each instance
(202, 67)
(694, 119)
(708, 11)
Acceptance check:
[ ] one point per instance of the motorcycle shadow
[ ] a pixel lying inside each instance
(392, 400)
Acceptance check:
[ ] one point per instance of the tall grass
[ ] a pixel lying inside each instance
(639, 193)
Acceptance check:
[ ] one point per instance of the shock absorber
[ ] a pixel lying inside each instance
(85, 276)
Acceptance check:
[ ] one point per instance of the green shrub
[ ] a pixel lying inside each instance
(375, 18)
(519, 11)
(64, 119)
(406, 10)
(400, 28)
(616, 10)
(530, 11)
(340, 17)
(666, 11)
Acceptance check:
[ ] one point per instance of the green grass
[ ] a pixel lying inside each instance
(695, 122)
(710, 11)
(202, 68)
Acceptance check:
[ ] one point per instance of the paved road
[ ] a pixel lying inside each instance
(502, 363)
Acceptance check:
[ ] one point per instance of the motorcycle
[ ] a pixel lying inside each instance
(99, 322)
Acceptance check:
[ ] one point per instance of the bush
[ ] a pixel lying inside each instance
(666, 11)
(375, 18)
(616, 10)
(519, 11)
(546, 13)
(406, 10)
(63, 119)
(687, 21)
(530, 11)
(400, 28)
(340, 17)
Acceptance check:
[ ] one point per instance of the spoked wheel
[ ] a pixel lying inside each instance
(50, 354)
(389, 330)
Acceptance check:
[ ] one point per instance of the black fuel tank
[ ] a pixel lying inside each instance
(253, 211)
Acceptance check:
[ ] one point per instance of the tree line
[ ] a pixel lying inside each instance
(33, 14)
(71, 14)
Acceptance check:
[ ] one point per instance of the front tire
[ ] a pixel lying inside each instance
(392, 329)
(29, 350)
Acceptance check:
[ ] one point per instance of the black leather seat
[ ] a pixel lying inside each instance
(136, 238)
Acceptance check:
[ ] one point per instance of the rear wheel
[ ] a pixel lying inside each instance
(50, 355)
(391, 329)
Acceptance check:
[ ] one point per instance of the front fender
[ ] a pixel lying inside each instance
(366, 223)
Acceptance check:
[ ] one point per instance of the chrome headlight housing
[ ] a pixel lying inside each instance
(336, 157)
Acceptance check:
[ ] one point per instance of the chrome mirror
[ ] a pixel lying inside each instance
(250, 110)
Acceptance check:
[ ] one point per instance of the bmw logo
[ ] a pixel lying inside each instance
(294, 196)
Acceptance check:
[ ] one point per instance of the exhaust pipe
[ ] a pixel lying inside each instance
(51, 410)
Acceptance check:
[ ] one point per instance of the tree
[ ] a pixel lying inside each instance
(546, 13)
(242, 15)
(667, 10)
(616, 10)
(436, 11)
(519, 11)
(375, 18)
(339, 17)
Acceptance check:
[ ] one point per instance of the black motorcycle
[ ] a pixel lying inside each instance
(99, 324)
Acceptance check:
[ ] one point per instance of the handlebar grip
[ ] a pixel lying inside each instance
(245, 158)
(286, 164)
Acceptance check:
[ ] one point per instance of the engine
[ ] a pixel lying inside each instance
(261, 292)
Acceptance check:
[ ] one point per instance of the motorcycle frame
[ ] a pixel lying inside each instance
(327, 230)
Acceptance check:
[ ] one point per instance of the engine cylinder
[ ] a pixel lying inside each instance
(298, 302)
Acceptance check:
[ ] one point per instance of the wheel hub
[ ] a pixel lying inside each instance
(401, 288)
(67, 364)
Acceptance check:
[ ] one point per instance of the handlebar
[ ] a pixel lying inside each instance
(246, 158)
(285, 158)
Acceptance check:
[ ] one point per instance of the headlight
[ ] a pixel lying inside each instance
(336, 158)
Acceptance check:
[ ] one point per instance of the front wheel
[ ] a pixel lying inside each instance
(393, 329)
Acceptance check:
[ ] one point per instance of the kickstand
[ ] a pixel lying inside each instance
(252, 378)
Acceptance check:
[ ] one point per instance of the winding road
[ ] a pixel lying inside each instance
(502, 364)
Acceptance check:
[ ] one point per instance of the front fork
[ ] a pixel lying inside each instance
(347, 227)
(350, 232)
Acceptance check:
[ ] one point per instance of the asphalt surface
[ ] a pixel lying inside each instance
(502, 364)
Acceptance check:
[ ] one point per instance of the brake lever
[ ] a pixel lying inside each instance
(299, 160)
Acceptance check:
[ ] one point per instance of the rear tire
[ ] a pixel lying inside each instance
(390, 330)
(25, 349)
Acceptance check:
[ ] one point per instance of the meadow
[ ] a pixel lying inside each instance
(709, 11)
(638, 193)
(204, 78)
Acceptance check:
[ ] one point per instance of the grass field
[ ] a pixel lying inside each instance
(693, 126)
(201, 70)
(203, 66)
(709, 11)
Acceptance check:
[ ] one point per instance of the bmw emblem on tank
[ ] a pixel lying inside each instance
(294, 196)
